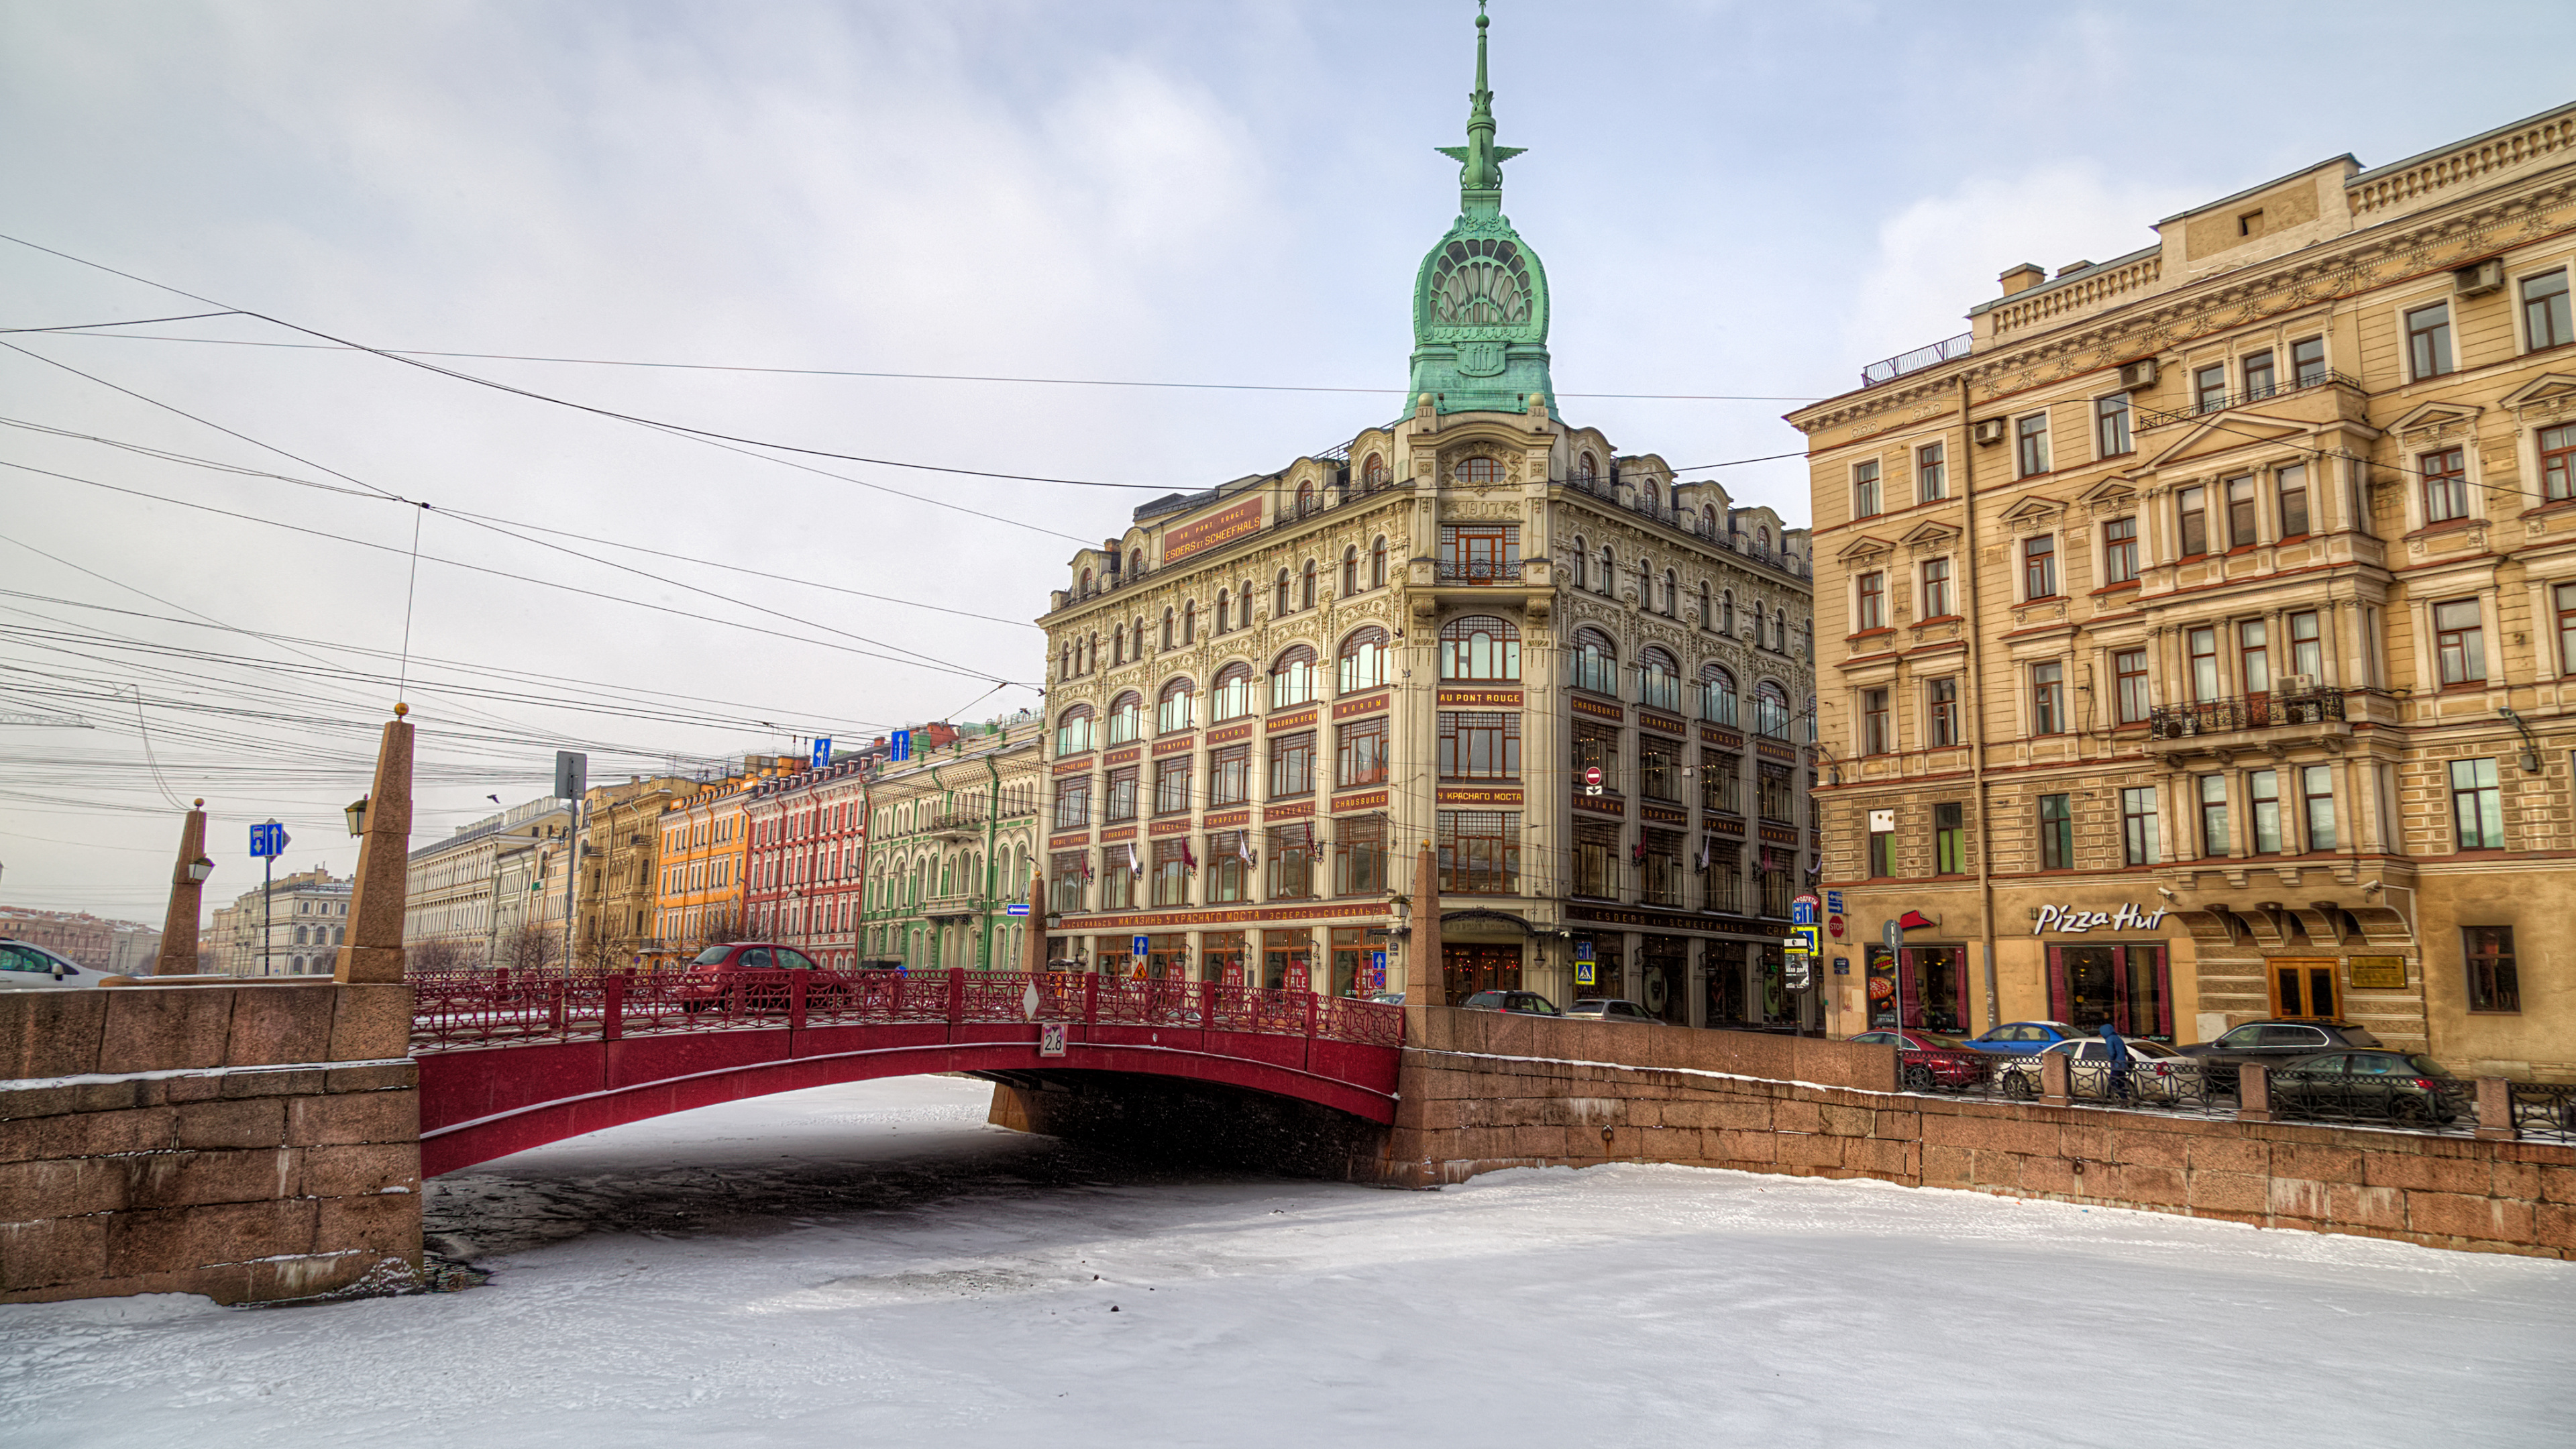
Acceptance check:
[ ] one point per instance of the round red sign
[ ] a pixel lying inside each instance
(1592, 776)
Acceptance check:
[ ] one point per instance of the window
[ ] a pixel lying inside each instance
(2557, 448)
(1373, 475)
(1292, 679)
(2138, 835)
(1170, 880)
(2129, 684)
(1292, 765)
(1292, 861)
(1122, 795)
(1596, 662)
(1481, 746)
(1126, 718)
(1350, 570)
(1481, 553)
(1659, 767)
(2428, 340)
(1171, 628)
(1672, 593)
(2056, 832)
(1229, 866)
(1361, 757)
(2191, 514)
(2544, 311)
(1882, 852)
(1773, 796)
(1865, 489)
(2488, 950)
(1931, 473)
(1224, 605)
(1726, 613)
(1874, 731)
(2240, 513)
(2477, 806)
(2213, 815)
(2030, 444)
(1172, 785)
(1717, 688)
(2263, 804)
(1659, 680)
(2254, 656)
(1229, 776)
(2316, 799)
(1771, 710)
(1306, 586)
(1359, 856)
(1480, 470)
(1305, 499)
(1721, 782)
(2446, 484)
(2209, 388)
(2308, 361)
(1582, 564)
(1609, 578)
(2047, 699)
(1596, 747)
(2259, 380)
(1936, 589)
(1363, 665)
(1480, 647)
(2120, 551)
(1941, 706)
(2563, 596)
(1233, 693)
(2111, 425)
(1279, 596)
(1480, 852)
(1377, 564)
(1172, 710)
(1707, 619)
(2459, 643)
(2202, 646)
(2039, 567)
(1949, 838)
(2290, 491)
(2307, 650)
(1871, 611)
(1073, 731)
(1189, 621)
(1064, 892)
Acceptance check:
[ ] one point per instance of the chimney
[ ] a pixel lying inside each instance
(2022, 278)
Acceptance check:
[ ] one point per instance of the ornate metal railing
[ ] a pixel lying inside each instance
(2544, 1109)
(1480, 571)
(2438, 1104)
(1918, 359)
(2251, 712)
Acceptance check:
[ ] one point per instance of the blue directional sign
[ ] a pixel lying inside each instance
(268, 841)
(1802, 912)
(822, 751)
(1017, 908)
(1833, 903)
(901, 746)
(1142, 944)
(1377, 970)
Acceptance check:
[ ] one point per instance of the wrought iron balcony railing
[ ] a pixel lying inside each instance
(2252, 712)
(1917, 360)
(1480, 571)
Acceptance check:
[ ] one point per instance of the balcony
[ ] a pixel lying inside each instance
(954, 907)
(2319, 395)
(957, 823)
(2261, 720)
(1479, 571)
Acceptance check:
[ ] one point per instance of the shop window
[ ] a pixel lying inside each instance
(1596, 859)
(1171, 880)
(1229, 871)
(1480, 648)
(1292, 861)
(2126, 987)
(1663, 863)
(1721, 782)
(1933, 987)
(1117, 877)
(2493, 986)
(1659, 766)
(1776, 800)
(1478, 746)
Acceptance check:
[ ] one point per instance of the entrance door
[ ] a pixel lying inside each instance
(2303, 988)
(1468, 967)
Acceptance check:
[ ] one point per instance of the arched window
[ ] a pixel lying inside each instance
(1480, 647)
(1480, 470)
(1717, 695)
(1596, 662)
(1086, 583)
(1364, 660)
(1706, 619)
(1585, 470)
(1091, 654)
(1064, 662)
(1780, 630)
(1377, 563)
(1305, 498)
(1659, 680)
(1171, 622)
(1306, 586)
(1609, 579)
(1224, 605)
(1373, 474)
(1771, 710)
(1073, 731)
(1279, 596)
(1762, 542)
(1292, 678)
(1582, 564)
(1350, 570)
(1672, 592)
(1135, 563)
(1118, 645)
(1136, 634)
(1190, 621)
(1708, 519)
(1233, 693)
(1172, 710)
(1126, 718)
(1654, 497)
(1243, 606)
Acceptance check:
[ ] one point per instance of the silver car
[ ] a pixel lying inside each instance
(2157, 1073)
(25, 966)
(1609, 1008)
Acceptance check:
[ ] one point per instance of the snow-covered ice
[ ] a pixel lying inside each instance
(871, 1264)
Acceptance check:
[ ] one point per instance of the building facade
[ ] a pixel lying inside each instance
(808, 843)
(120, 947)
(293, 928)
(453, 906)
(2202, 625)
(953, 841)
(700, 902)
(1586, 680)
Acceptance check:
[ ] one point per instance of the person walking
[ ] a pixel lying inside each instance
(2117, 1051)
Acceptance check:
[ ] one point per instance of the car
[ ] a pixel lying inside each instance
(1610, 1008)
(26, 966)
(2021, 1038)
(2157, 1073)
(2407, 1088)
(1931, 1059)
(1388, 998)
(1519, 1003)
(746, 970)
(2275, 1043)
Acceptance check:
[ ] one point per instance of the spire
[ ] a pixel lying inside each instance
(1480, 161)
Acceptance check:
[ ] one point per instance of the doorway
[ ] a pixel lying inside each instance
(1467, 967)
(2303, 988)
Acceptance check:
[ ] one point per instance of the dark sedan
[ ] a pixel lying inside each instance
(1524, 1003)
(2274, 1044)
(1932, 1060)
(2405, 1088)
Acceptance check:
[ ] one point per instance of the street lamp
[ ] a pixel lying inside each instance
(357, 813)
(199, 869)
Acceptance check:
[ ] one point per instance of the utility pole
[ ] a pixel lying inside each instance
(572, 782)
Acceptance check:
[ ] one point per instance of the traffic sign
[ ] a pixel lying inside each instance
(1833, 903)
(1377, 970)
(269, 841)
(1802, 911)
(1585, 973)
(1894, 935)
(1842, 965)
(1592, 776)
(1798, 975)
(1016, 908)
(900, 747)
(1834, 923)
(572, 774)
(1582, 952)
(1139, 947)
(822, 751)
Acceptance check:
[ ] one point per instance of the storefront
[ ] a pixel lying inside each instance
(1467, 967)
(1351, 959)
(1167, 958)
(1664, 977)
(2126, 985)
(1287, 960)
(1221, 957)
(1729, 1002)
(1927, 988)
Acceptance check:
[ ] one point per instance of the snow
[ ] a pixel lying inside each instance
(873, 1264)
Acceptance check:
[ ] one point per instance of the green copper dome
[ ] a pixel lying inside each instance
(1480, 299)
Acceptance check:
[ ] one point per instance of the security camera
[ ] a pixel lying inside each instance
(2167, 893)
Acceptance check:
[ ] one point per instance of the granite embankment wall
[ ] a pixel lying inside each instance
(1483, 1091)
(251, 1142)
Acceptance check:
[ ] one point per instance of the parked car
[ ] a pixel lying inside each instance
(2021, 1038)
(26, 966)
(2275, 1043)
(1609, 1008)
(1523, 1003)
(2369, 1086)
(1388, 998)
(747, 969)
(1931, 1059)
(2157, 1073)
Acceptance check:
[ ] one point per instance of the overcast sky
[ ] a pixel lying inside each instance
(1736, 199)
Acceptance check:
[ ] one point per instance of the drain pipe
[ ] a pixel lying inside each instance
(1976, 700)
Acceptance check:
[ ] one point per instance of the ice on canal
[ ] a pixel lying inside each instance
(871, 1264)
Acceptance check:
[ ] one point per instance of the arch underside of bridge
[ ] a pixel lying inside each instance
(481, 1103)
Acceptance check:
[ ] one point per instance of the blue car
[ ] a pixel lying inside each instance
(2023, 1038)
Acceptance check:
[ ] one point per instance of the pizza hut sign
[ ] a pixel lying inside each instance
(2129, 917)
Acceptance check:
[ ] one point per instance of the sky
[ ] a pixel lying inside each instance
(1741, 204)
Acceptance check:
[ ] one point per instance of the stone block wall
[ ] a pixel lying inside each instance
(253, 1143)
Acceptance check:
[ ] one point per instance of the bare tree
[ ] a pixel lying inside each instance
(532, 947)
(436, 955)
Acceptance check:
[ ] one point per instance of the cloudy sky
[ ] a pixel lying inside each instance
(205, 547)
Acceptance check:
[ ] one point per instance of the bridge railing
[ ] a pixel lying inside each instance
(455, 1010)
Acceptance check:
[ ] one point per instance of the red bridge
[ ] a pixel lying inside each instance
(509, 1062)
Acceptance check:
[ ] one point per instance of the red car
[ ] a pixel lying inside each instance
(1931, 1060)
(747, 970)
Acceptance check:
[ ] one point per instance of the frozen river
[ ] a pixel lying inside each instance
(871, 1265)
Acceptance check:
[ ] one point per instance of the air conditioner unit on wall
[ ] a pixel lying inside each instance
(2479, 278)
(2295, 684)
(2138, 374)
(1988, 430)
